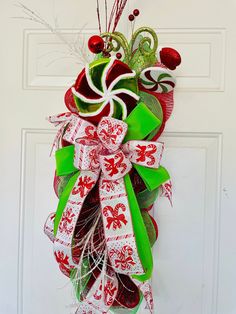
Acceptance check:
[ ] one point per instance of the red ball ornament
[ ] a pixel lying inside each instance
(136, 12)
(118, 55)
(131, 17)
(170, 58)
(96, 44)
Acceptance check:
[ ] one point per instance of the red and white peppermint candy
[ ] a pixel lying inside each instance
(157, 79)
(109, 93)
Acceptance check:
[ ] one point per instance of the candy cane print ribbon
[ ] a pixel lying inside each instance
(49, 226)
(143, 153)
(60, 120)
(118, 228)
(63, 242)
(146, 290)
(166, 191)
(75, 127)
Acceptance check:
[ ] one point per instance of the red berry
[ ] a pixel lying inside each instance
(131, 17)
(106, 54)
(170, 58)
(136, 12)
(96, 44)
(118, 55)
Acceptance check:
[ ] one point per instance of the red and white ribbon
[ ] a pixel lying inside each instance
(75, 127)
(63, 242)
(146, 290)
(166, 191)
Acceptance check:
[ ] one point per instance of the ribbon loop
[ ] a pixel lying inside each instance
(143, 153)
(73, 127)
(79, 128)
(111, 132)
(115, 166)
(86, 154)
(60, 118)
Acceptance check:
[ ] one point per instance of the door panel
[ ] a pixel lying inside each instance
(195, 256)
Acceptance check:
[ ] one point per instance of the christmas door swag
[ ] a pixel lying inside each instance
(108, 168)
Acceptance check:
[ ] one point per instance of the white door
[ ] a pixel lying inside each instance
(195, 256)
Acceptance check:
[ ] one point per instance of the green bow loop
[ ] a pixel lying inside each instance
(141, 122)
(153, 178)
(65, 161)
(64, 199)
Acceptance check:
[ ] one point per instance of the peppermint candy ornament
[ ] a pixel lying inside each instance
(106, 87)
(157, 79)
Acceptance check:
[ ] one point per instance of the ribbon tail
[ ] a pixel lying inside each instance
(120, 235)
(140, 231)
(146, 290)
(166, 191)
(56, 142)
(67, 215)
